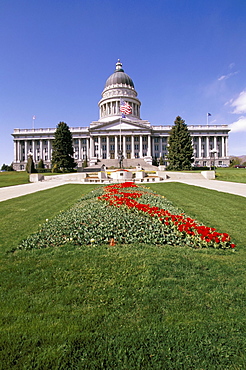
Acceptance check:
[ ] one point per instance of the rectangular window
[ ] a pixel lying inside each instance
(164, 139)
(112, 147)
(156, 148)
(128, 138)
(136, 147)
(83, 141)
(156, 140)
(136, 138)
(76, 141)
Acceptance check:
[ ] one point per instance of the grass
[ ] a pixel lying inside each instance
(11, 178)
(231, 174)
(122, 307)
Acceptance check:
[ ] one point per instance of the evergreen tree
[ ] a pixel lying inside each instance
(62, 155)
(180, 150)
(30, 165)
(40, 166)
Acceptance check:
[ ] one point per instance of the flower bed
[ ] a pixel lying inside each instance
(128, 214)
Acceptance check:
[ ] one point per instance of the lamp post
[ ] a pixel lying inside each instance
(212, 153)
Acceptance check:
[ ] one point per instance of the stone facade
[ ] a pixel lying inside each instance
(136, 138)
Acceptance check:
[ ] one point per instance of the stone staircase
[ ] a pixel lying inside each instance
(127, 163)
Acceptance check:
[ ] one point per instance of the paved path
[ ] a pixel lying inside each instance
(19, 190)
(224, 186)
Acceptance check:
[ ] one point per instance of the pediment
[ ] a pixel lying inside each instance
(119, 124)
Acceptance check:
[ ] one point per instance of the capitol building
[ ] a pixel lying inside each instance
(136, 138)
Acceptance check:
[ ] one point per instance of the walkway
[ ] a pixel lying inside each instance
(19, 190)
(223, 186)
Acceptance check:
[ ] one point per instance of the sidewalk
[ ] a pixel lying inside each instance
(223, 186)
(10, 192)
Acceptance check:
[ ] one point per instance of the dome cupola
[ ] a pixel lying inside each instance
(118, 86)
(119, 78)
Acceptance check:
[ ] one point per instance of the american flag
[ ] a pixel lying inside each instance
(125, 107)
(209, 114)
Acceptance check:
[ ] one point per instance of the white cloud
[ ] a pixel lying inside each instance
(239, 125)
(225, 77)
(239, 104)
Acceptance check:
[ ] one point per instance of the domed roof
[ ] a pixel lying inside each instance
(119, 77)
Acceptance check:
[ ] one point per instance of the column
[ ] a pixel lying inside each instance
(223, 146)
(99, 148)
(215, 146)
(33, 151)
(226, 146)
(124, 146)
(153, 147)
(49, 150)
(91, 147)
(141, 146)
(108, 155)
(87, 148)
(15, 151)
(207, 147)
(132, 147)
(199, 147)
(25, 150)
(116, 147)
(41, 149)
(79, 150)
(149, 146)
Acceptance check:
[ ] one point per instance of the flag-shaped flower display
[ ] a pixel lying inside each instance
(125, 107)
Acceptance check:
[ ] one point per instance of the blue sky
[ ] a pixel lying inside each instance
(186, 57)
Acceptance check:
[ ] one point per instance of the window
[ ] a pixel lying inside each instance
(76, 141)
(83, 141)
(156, 140)
(145, 138)
(164, 139)
(136, 138)
(128, 138)
(111, 139)
(104, 147)
(156, 148)
(128, 146)
(104, 139)
(136, 146)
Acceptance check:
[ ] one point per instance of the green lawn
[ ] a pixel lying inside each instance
(122, 307)
(10, 178)
(231, 174)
